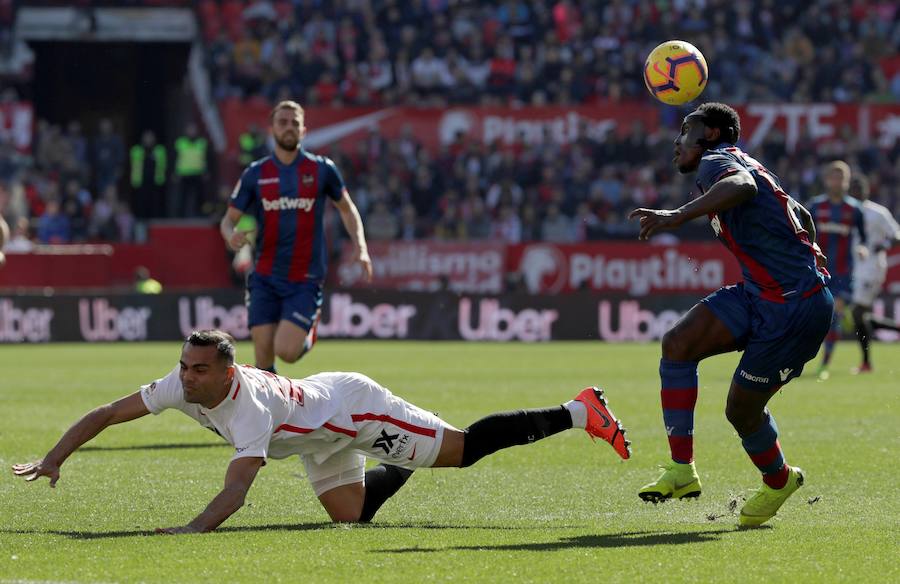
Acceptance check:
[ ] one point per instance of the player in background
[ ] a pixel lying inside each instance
(778, 315)
(869, 273)
(332, 420)
(837, 216)
(286, 193)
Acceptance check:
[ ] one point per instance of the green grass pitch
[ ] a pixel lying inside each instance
(562, 510)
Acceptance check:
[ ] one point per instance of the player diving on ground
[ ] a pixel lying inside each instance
(333, 421)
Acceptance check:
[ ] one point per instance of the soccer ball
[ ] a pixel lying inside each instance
(675, 72)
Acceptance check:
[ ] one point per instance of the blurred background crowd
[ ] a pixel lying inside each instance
(94, 184)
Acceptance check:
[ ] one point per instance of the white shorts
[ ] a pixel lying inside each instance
(868, 278)
(388, 429)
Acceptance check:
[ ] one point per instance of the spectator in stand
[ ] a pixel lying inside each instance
(102, 224)
(149, 175)
(53, 225)
(409, 224)
(478, 225)
(109, 156)
(381, 223)
(508, 226)
(252, 145)
(20, 239)
(191, 166)
(556, 227)
(450, 226)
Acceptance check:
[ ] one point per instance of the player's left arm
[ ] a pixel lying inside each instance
(238, 479)
(354, 226)
(806, 221)
(335, 188)
(730, 191)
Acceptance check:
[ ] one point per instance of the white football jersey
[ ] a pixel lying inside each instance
(881, 228)
(270, 416)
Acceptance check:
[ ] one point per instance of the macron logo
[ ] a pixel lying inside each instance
(756, 378)
(784, 374)
(288, 204)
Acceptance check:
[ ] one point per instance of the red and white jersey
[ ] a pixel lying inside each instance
(270, 416)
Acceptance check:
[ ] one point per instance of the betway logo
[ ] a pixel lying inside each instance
(288, 203)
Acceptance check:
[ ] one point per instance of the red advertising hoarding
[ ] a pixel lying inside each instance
(799, 123)
(629, 268)
(428, 266)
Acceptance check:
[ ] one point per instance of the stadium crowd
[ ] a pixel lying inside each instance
(568, 51)
(434, 52)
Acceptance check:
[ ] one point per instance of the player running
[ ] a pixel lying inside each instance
(869, 273)
(286, 193)
(836, 216)
(332, 420)
(777, 316)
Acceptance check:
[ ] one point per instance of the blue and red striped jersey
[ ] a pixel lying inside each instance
(835, 223)
(288, 201)
(763, 233)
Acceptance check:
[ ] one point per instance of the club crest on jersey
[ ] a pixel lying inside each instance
(307, 179)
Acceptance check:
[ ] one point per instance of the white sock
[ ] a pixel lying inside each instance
(578, 411)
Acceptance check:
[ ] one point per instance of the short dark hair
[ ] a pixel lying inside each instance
(723, 117)
(859, 185)
(223, 342)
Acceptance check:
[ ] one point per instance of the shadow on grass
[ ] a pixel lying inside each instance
(607, 540)
(287, 527)
(185, 446)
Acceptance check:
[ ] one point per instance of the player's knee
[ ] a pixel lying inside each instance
(742, 420)
(288, 355)
(674, 347)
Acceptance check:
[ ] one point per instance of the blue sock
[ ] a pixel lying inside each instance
(832, 337)
(765, 451)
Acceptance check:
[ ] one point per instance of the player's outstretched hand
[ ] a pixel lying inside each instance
(654, 220)
(39, 468)
(176, 530)
(237, 240)
(365, 262)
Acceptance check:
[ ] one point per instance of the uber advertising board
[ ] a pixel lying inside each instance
(358, 314)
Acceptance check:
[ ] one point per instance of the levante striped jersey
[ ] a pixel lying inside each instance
(288, 201)
(764, 233)
(835, 223)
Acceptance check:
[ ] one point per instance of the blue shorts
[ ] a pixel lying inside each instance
(777, 339)
(270, 300)
(841, 287)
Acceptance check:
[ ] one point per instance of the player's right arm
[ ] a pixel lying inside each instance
(242, 197)
(124, 410)
(234, 238)
(727, 192)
